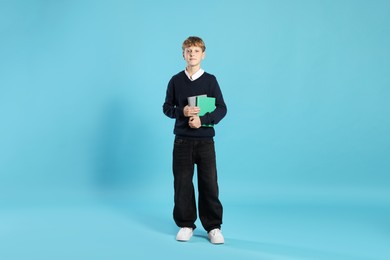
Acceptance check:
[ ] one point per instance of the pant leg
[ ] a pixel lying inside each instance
(184, 212)
(210, 207)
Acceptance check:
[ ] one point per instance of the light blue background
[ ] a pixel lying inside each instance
(306, 136)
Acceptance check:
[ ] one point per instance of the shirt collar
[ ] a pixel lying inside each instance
(196, 74)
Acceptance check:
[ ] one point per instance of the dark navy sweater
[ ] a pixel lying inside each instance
(179, 88)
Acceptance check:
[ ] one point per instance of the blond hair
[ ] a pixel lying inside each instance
(194, 41)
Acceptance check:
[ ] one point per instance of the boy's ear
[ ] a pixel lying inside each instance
(203, 55)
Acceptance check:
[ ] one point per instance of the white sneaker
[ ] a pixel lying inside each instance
(216, 236)
(184, 234)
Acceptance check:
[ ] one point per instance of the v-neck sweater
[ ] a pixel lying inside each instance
(180, 87)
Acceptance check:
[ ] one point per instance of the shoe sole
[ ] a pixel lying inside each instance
(184, 240)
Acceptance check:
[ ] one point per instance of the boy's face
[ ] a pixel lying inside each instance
(193, 55)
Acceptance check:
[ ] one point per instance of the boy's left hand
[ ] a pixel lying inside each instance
(194, 122)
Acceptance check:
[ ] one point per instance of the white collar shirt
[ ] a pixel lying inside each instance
(196, 74)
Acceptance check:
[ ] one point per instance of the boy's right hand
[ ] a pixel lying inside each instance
(190, 111)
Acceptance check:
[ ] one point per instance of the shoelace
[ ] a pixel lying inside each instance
(187, 230)
(215, 232)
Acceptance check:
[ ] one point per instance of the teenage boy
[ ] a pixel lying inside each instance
(194, 144)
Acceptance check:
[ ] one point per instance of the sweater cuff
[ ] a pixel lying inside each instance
(205, 120)
(179, 112)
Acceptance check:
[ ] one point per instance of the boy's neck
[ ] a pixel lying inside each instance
(192, 70)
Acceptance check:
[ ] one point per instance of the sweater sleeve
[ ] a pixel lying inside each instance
(170, 108)
(220, 111)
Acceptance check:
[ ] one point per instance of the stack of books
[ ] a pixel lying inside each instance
(206, 105)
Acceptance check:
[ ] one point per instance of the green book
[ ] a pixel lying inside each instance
(206, 105)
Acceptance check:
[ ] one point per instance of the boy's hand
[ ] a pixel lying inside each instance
(194, 122)
(191, 111)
